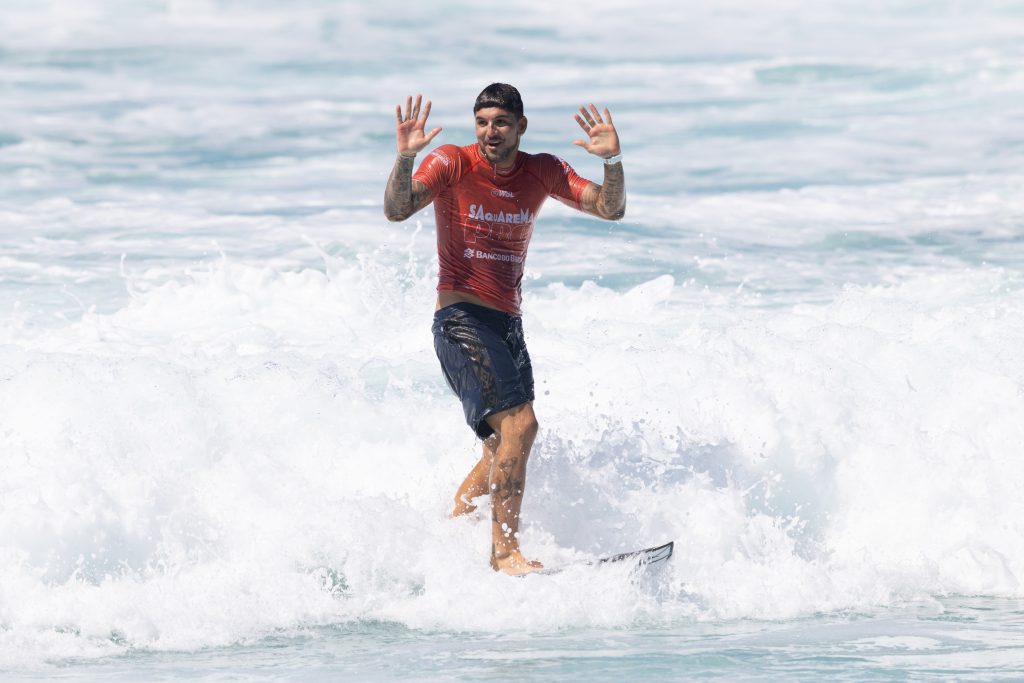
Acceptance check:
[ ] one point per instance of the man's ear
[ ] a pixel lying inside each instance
(522, 124)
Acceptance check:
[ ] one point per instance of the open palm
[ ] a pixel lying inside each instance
(409, 132)
(603, 139)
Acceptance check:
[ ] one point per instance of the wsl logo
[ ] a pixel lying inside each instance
(504, 194)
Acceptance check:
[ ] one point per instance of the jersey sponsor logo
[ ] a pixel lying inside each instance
(442, 157)
(479, 213)
(491, 256)
(504, 194)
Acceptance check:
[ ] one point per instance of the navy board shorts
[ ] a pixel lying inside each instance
(484, 359)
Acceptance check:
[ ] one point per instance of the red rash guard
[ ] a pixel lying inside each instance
(485, 217)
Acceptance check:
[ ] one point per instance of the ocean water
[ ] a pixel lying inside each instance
(227, 450)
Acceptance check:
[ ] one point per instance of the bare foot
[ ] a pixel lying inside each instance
(462, 507)
(513, 563)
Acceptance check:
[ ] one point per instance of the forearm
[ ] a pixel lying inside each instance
(611, 198)
(398, 197)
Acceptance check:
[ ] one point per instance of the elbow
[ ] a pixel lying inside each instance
(394, 216)
(615, 214)
(610, 210)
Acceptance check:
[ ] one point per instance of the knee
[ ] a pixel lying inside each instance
(522, 426)
(531, 426)
(518, 425)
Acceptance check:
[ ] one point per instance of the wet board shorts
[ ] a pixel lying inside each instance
(484, 359)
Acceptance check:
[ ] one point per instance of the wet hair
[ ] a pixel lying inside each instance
(501, 95)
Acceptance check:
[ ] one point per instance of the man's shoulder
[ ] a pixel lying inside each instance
(448, 154)
(544, 164)
(538, 157)
(444, 166)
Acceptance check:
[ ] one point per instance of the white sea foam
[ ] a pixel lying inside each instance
(246, 450)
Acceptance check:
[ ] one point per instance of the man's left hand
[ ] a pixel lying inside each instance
(604, 141)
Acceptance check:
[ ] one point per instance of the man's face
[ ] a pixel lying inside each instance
(497, 132)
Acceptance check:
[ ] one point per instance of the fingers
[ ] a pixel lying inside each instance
(600, 128)
(412, 110)
(588, 118)
(583, 124)
(592, 117)
(585, 120)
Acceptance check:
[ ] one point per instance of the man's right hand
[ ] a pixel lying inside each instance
(409, 132)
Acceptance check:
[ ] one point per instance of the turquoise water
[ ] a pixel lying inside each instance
(228, 453)
(960, 638)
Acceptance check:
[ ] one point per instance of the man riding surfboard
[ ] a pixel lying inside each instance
(486, 198)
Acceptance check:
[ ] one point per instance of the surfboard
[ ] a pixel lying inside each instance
(642, 559)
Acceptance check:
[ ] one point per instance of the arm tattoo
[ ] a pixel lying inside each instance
(403, 197)
(611, 200)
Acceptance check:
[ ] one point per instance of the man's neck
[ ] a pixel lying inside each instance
(508, 163)
(504, 165)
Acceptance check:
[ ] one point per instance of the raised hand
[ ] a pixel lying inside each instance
(411, 138)
(604, 141)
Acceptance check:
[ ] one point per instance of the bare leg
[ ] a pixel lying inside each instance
(476, 482)
(517, 428)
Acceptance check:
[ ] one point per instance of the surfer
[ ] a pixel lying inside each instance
(486, 197)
